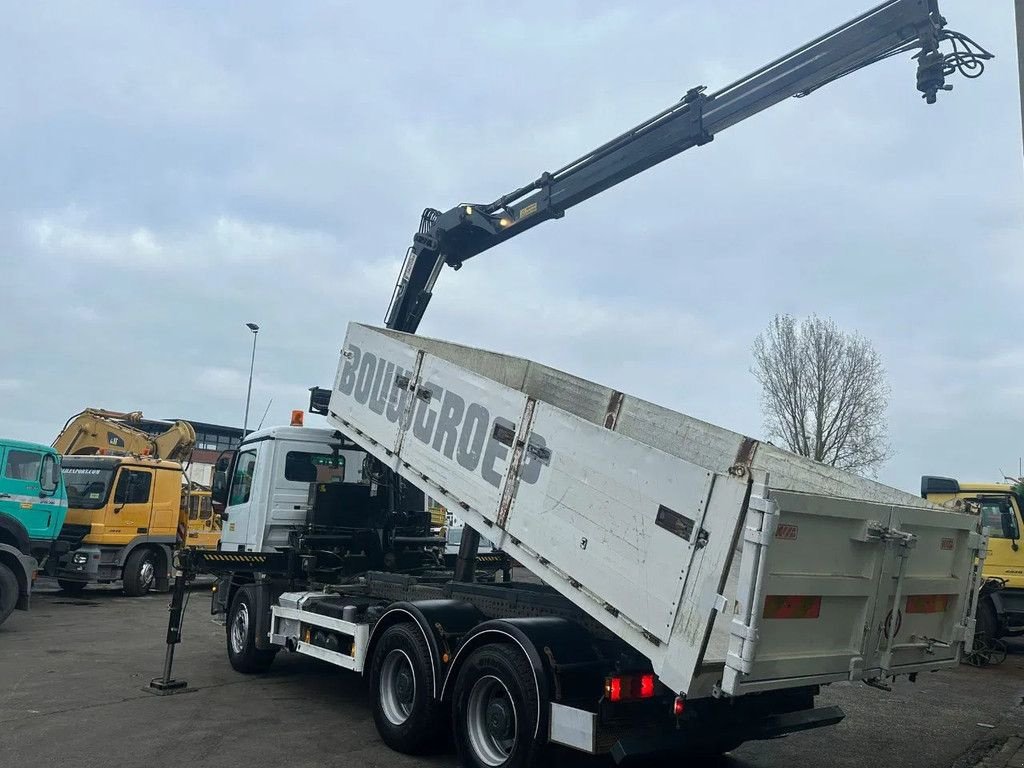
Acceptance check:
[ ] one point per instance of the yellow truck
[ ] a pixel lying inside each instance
(1000, 610)
(125, 490)
(122, 522)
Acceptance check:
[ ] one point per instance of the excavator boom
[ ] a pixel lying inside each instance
(99, 431)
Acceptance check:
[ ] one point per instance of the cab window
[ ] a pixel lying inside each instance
(303, 467)
(133, 487)
(22, 465)
(241, 483)
(998, 517)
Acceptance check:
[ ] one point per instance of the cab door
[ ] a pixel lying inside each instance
(1001, 518)
(21, 491)
(242, 506)
(128, 513)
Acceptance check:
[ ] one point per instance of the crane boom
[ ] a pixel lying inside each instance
(894, 27)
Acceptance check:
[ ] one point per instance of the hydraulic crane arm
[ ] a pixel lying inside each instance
(894, 27)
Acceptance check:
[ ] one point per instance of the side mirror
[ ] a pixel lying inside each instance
(49, 476)
(222, 478)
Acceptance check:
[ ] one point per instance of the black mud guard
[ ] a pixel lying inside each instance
(443, 622)
(547, 643)
(264, 599)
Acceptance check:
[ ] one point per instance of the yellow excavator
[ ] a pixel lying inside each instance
(126, 488)
(97, 431)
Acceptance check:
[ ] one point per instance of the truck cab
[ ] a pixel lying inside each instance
(33, 505)
(1000, 613)
(122, 522)
(264, 487)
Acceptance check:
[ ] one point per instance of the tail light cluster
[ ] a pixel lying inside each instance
(629, 687)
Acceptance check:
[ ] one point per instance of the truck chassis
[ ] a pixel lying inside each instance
(486, 662)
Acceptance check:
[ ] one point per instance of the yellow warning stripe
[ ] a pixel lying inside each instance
(230, 557)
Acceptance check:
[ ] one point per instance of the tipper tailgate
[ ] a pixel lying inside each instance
(840, 589)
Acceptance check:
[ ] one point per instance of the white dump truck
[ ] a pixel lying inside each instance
(696, 587)
(690, 588)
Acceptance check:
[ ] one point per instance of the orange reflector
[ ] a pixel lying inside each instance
(927, 603)
(297, 417)
(792, 607)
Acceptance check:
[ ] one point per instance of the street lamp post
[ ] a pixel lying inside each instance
(252, 363)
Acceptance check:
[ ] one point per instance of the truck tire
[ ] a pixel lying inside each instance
(243, 654)
(986, 627)
(8, 592)
(407, 716)
(495, 709)
(139, 574)
(73, 588)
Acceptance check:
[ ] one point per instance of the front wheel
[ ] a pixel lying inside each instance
(243, 654)
(405, 712)
(496, 708)
(8, 592)
(139, 575)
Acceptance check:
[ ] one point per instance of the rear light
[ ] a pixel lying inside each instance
(614, 688)
(792, 607)
(629, 687)
(646, 686)
(679, 706)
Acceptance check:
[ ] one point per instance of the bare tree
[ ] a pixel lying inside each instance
(824, 392)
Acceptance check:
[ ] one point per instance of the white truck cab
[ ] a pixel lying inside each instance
(270, 480)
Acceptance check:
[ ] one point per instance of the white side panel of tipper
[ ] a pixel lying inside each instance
(698, 442)
(373, 389)
(593, 508)
(577, 504)
(469, 462)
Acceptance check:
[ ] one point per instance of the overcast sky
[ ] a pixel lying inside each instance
(172, 171)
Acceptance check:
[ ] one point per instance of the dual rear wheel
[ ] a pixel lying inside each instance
(493, 704)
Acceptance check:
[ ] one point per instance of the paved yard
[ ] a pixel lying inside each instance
(72, 673)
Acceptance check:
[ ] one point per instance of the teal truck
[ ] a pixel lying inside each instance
(33, 504)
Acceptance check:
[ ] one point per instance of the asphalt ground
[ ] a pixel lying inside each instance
(73, 670)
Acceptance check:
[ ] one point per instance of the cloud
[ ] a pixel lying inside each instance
(221, 382)
(8, 384)
(67, 235)
(74, 236)
(181, 172)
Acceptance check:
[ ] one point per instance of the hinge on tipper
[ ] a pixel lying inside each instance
(744, 629)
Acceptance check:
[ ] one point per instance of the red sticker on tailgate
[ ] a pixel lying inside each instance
(787, 531)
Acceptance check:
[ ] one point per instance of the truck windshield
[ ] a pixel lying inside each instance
(87, 487)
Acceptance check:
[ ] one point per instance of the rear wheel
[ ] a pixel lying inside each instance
(495, 710)
(987, 623)
(241, 636)
(407, 716)
(139, 575)
(72, 588)
(8, 592)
